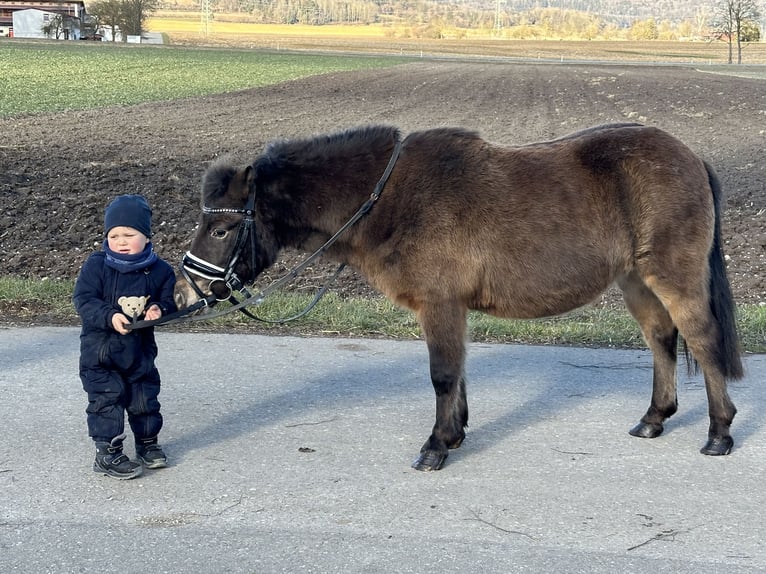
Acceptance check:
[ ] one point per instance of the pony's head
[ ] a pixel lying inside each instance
(226, 252)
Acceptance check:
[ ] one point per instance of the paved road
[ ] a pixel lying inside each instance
(292, 455)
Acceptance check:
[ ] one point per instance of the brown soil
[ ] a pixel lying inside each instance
(60, 170)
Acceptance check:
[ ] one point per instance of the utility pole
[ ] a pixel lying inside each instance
(206, 17)
(498, 22)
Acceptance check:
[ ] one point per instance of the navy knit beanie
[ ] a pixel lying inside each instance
(129, 211)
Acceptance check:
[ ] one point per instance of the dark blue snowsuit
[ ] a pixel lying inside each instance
(118, 371)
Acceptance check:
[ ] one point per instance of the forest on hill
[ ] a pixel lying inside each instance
(512, 19)
(587, 17)
(623, 13)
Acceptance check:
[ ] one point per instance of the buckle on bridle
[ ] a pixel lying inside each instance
(227, 286)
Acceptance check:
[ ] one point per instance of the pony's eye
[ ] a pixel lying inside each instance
(219, 233)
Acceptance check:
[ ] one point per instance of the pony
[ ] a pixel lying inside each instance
(456, 223)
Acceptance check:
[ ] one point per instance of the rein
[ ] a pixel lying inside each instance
(191, 264)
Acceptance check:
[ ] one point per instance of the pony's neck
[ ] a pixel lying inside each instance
(315, 186)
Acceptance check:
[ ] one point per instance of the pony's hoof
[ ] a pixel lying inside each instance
(646, 430)
(429, 460)
(718, 446)
(456, 443)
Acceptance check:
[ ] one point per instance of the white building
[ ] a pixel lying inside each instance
(30, 24)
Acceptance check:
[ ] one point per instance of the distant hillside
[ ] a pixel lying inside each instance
(620, 12)
(544, 18)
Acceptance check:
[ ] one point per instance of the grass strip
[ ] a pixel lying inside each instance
(32, 302)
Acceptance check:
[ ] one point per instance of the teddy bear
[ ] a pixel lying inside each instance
(133, 307)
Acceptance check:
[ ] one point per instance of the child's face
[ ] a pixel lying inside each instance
(126, 240)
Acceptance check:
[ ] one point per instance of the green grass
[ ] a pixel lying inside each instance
(50, 292)
(31, 298)
(60, 76)
(25, 301)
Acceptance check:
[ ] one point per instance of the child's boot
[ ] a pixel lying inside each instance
(112, 462)
(150, 454)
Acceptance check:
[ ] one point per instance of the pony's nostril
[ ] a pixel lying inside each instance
(180, 301)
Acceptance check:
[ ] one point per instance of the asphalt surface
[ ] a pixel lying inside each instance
(292, 455)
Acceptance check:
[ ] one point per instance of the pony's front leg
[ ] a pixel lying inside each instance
(444, 328)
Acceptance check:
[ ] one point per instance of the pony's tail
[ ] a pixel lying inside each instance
(721, 299)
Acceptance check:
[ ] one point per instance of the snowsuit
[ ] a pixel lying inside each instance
(118, 371)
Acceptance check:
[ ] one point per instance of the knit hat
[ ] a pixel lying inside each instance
(129, 211)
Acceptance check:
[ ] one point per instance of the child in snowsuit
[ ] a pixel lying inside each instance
(117, 368)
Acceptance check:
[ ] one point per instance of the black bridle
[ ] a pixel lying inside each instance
(193, 265)
(225, 276)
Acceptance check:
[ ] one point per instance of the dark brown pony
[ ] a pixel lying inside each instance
(517, 232)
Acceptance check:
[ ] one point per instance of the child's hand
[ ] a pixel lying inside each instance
(118, 322)
(153, 312)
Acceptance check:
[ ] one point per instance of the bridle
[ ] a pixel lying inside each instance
(226, 276)
(193, 265)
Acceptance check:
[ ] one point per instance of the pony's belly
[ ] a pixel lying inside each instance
(540, 301)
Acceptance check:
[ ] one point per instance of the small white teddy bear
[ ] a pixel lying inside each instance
(133, 307)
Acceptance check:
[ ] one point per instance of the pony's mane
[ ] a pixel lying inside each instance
(217, 178)
(318, 150)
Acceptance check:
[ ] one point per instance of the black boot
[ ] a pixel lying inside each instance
(150, 454)
(111, 462)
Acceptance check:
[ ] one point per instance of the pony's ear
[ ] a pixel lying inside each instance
(239, 184)
(260, 172)
(250, 178)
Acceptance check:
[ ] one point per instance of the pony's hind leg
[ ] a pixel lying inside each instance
(661, 335)
(691, 311)
(444, 327)
(704, 338)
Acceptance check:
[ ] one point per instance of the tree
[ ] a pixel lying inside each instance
(135, 13)
(751, 31)
(109, 14)
(129, 16)
(701, 19)
(644, 30)
(55, 27)
(733, 20)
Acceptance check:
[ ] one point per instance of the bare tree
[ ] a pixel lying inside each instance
(109, 14)
(731, 19)
(135, 13)
(701, 19)
(54, 28)
(129, 16)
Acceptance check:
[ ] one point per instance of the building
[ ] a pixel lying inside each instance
(71, 11)
(32, 23)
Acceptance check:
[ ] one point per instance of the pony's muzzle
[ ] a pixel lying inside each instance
(202, 280)
(184, 295)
